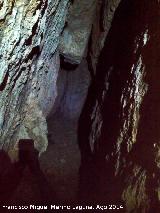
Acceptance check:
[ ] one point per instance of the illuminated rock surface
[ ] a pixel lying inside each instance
(29, 36)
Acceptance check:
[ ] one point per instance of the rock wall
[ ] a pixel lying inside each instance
(29, 64)
(31, 36)
(77, 30)
(104, 13)
(72, 88)
(119, 125)
(86, 27)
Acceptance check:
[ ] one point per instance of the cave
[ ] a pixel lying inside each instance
(80, 105)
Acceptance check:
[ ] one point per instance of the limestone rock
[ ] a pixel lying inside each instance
(29, 65)
(77, 30)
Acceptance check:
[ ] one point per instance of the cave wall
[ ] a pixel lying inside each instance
(32, 35)
(29, 63)
(119, 124)
(72, 88)
(77, 30)
(104, 13)
(86, 27)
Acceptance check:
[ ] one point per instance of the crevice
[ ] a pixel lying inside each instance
(66, 65)
(4, 83)
(28, 41)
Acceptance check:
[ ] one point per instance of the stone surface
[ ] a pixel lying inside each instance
(77, 30)
(29, 64)
(60, 163)
(72, 88)
(104, 14)
(119, 125)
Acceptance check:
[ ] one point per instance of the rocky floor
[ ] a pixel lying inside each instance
(62, 160)
(51, 179)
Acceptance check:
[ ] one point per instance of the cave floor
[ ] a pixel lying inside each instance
(57, 179)
(62, 160)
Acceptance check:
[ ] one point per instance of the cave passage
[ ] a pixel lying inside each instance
(62, 160)
(102, 115)
(54, 178)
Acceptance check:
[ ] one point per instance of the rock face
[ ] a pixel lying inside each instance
(87, 25)
(72, 88)
(119, 125)
(29, 63)
(30, 33)
(104, 14)
(77, 30)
